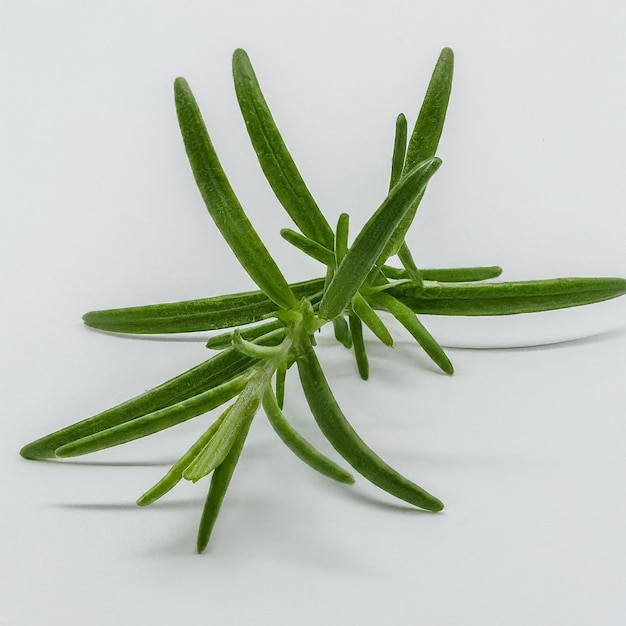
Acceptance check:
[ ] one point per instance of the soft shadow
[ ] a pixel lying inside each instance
(129, 506)
(174, 337)
(70, 461)
(398, 507)
(600, 337)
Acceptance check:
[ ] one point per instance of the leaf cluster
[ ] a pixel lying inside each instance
(268, 331)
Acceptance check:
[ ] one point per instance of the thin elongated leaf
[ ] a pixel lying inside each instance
(224, 340)
(219, 484)
(342, 332)
(341, 237)
(213, 372)
(428, 127)
(281, 375)
(406, 258)
(425, 137)
(368, 245)
(223, 204)
(194, 315)
(448, 274)
(509, 298)
(175, 474)
(370, 318)
(360, 354)
(274, 158)
(344, 438)
(399, 150)
(156, 421)
(299, 445)
(308, 246)
(255, 350)
(217, 449)
(409, 320)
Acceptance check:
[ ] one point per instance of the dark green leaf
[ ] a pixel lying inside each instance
(216, 371)
(223, 204)
(409, 320)
(274, 158)
(345, 440)
(308, 246)
(300, 446)
(509, 298)
(194, 315)
(399, 150)
(368, 245)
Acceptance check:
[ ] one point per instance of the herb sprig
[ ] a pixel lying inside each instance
(269, 330)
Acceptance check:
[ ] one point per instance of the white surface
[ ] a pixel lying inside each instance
(525, 446)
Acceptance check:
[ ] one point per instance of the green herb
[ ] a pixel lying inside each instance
(270, 330)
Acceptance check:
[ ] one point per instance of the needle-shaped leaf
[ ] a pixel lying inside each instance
(175, 474)
(194, 315)
(342, 332)
(371, 319)
(399, 150)
(448, 274)
(299, 445)
(369, 243)
(216, 450)
(309, 246)
(406, 258)
(156, 421)
(274, 158)
(360, 354)
(425, 137)
(223, 204)
(224, 340)
(341, 237)
(344, 438)
(281, 376)
(428, 127)
(213, 372)
(508, 298)
(409, 320)
(219, 484)
(255, 350)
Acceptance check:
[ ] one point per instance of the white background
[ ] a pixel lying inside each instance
(99, 209)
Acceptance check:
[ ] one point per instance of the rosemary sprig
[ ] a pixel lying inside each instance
(269, 330)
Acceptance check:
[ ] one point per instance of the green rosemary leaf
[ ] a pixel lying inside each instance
(368, 245)
(360, 354)
(399, 150)
(219, 484)
(175, 474)
(343, 437)
(213, 372)
(341, 237)
(409, 320)
(309, 246)
(194, 315)
(429, 125)
(509, 298)
(342, 332)
(300, 446)
(216, 450)
(224, 340)
(274, 158)
(406, 258)
(448, 274)
(223, 204)
(156, 421)
(255, 350)
(281, 375)
(425, 137)
(370, 318)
